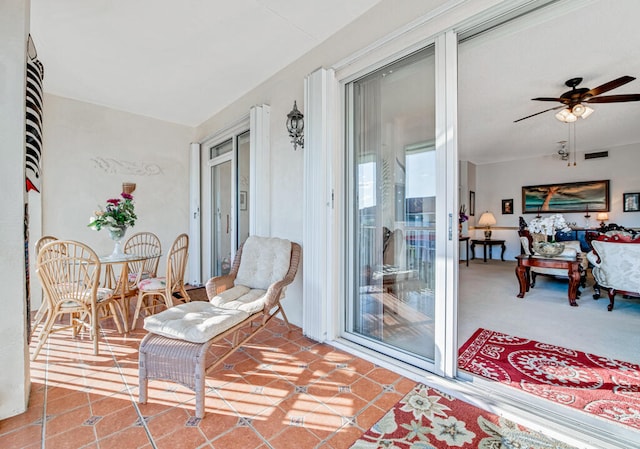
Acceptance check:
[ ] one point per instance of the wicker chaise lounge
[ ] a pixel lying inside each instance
(240, 305)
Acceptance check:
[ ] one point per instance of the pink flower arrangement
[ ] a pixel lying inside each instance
(118, 212)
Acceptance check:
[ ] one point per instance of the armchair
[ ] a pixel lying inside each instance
(609, 230)
(616, 265)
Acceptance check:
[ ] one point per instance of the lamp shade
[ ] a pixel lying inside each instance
(487, 219)
(602, 216)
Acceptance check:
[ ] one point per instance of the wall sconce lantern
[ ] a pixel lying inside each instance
(295, 126)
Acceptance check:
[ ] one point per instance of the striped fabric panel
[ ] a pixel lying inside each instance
(35, 75)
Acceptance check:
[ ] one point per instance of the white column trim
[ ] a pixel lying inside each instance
(319, 116)
(260, 171)
(446, 127)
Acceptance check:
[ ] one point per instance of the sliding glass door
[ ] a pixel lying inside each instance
(392, 176)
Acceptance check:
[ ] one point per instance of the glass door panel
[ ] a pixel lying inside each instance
(222, 225)
(391, 305)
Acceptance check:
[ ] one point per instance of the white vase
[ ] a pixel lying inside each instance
(116, 233)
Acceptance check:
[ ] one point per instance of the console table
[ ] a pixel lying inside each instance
(572, 266)
(490, 243)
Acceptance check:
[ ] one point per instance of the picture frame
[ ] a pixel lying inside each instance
(631, 202)
(243, 200)
(507, 207)
(589, 196)
(472, 203)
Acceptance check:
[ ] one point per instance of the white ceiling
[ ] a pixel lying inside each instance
(183, 61)
(502, 70)
(176, 60)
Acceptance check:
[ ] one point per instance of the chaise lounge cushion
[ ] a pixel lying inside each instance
(241, 297)
(265, 260)
(196, 321)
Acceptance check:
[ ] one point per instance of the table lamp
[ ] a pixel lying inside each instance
(602, 217)
(487, 219)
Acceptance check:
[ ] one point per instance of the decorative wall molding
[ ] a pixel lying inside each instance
(114, 166)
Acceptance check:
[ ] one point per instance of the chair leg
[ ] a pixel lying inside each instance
(115, 310)
(147, 301)
(141, 296)
(284, 317)
(142, 376)
(199, 388)
(612, 295)
(185, 296)
(94, 329)
(596, 291)
(41, 314)
(44, 335)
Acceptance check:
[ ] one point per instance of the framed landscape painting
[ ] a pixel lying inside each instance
(568, 197)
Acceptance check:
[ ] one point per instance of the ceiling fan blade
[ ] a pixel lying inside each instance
(538, 113)
(614, 98)
(561, 100)
(606, 87)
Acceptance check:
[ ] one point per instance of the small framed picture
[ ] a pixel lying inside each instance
(507, 206)
(243, 200)
(472, 203)
(631, 202)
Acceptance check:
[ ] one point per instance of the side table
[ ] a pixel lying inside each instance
(466, 240)
(490, 243)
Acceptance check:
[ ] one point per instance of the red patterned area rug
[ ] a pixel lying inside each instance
(427, 418)
(598, 385)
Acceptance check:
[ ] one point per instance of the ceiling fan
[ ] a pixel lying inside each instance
(575, 101)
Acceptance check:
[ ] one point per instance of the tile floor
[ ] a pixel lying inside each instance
(281, 390)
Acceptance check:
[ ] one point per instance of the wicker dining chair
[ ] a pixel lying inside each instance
(69, 272)
(145, 244)
(156, 293)
(42, 310)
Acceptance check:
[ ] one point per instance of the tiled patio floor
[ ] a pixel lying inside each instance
(281, 390)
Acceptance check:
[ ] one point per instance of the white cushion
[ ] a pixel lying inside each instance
(265, 260)
(241, 297)
(196, 321)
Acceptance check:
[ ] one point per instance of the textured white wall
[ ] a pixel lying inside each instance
(14, 358)
(496, 182)
(90, 150)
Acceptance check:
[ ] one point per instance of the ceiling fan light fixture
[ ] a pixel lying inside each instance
(587, 112)
(578, 110)
(566, 116)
